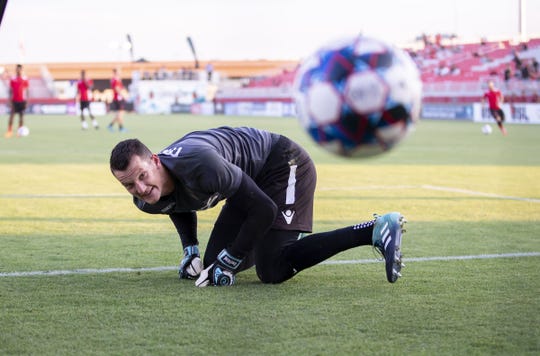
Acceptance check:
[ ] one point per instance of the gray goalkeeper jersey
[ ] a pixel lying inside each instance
(207, 167)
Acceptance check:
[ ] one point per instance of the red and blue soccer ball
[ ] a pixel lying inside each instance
(358, 97)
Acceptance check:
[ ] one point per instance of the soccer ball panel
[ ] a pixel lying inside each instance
(323, 103)
(369, 46)
(365, 92)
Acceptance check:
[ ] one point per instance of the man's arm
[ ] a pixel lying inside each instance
(186, 226)
(260, 212)
(191, 264)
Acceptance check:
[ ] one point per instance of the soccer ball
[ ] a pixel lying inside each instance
(486, 129)
(358, 97)
(23, 131)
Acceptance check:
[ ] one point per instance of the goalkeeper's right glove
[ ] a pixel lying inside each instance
(191, 265)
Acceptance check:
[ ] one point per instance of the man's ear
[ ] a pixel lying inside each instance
(156, 160)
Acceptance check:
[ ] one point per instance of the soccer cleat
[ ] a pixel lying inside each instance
(8, 134)
(387, 241)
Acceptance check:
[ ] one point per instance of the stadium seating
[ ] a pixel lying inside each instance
(455, 72)
(451, 72)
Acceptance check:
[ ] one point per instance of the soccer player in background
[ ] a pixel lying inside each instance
(84, 86)
(495, 100)
(267, 182)
(18, 92)
(118, 103)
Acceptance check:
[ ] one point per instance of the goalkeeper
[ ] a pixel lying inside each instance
(267, 183)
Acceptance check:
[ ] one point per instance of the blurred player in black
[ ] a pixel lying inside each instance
(267, 182)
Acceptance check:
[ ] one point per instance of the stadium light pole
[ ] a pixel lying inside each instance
(130, 41)
(3, 4)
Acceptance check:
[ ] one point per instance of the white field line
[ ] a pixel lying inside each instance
(432, 187)
(330, 262)
(322, 189)
(68, 196)
(439, 258)
(472, 192)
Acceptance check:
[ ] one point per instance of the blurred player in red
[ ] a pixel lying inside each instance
(84, 86)
(18, 92)
(495, 100)
(118, 102)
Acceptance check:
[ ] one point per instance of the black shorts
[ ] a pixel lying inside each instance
(118, 105)
(84, 105)
(18, 106)
(289, 178)
(494, 113)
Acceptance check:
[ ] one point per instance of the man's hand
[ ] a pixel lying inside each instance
(191, 265)
(221, 272)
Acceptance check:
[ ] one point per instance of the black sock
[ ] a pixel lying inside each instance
(316, 248)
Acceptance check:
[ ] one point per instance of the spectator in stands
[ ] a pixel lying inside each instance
(532, 72)
(525, 73)
(507, 73)
(118, 103)
(495, 100)
(517, 60)
(84, 86)
(454, 70)
(18, 92)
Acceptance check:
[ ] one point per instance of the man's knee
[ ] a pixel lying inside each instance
(277, 273)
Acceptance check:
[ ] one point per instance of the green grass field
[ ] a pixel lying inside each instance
(471, 285)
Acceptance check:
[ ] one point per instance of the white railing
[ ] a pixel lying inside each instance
(477, 88)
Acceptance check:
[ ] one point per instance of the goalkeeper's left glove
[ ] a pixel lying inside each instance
(221, 272)
(191, 265)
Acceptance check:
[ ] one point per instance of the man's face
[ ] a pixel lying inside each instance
(145, 178)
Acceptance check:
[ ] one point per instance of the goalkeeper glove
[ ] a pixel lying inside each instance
(221, 272)
(191, 265)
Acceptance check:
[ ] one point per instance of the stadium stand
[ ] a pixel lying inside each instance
(452, 72)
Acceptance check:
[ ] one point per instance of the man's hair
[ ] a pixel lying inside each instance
(123, 152)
